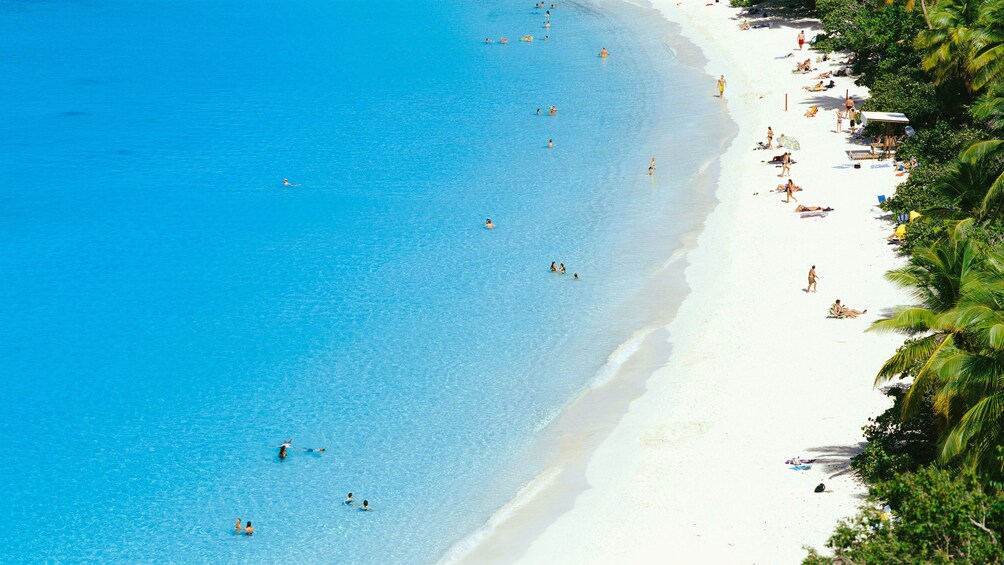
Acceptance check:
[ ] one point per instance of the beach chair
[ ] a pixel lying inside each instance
(881, 198)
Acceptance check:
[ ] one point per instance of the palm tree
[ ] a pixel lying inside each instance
(969, 184)
(909, 5)
(937, 277)
(987, 66)
(971, 396)
(949, 47)
(959, 356)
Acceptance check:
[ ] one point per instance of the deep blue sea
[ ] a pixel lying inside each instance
(170, 311)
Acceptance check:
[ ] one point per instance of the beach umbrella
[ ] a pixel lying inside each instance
(790, 143)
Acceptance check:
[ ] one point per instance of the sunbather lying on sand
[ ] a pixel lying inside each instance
(803, 208)
(744, 26)
(816, 87)
(805, 65)
(827, 74)
(779, 159)
(811, 112)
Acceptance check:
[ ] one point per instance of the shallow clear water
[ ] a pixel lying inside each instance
(169, 312)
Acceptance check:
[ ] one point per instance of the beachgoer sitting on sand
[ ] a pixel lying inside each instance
(815, 88)
(830, 85)
(811, 112)
(803, 208)
(821, 488)
(803, 67)
(744, 26)
(840, 311)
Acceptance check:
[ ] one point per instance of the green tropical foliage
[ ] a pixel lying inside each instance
(937, 517)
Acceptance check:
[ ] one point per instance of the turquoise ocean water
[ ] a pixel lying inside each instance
(170, 312)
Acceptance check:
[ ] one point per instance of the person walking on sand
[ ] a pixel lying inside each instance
(770, 138)
(786, 164)
(651, 168)
(789, 190)
(812, 280)
(840, 121)
(801, 39)
(721, 86)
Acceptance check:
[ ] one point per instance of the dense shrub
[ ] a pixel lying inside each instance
(896, 445)
(941, 516)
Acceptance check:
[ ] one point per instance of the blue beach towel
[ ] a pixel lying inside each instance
(801, 467)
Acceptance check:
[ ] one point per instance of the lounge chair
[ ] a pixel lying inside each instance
(811, 112)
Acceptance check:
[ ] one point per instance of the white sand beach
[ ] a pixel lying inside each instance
(695, 471)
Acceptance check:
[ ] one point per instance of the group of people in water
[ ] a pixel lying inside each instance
(247, 529)
(528, 38)
(560, 269)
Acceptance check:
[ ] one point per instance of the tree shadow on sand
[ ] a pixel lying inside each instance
(835, 460)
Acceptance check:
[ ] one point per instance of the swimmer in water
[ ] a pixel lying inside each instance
(366, 506)
(249, 529)
(604, 53)
(538, 111)
(547, 24)
(554, 266)
(561, 268)
(348, 500)
(237, 526)
(488, 40)
(547, 14)
(575, 276)
(504, 40)
(489, 224)
(552, 110)
(312, 450)
(282, 451)
(651, 168)
(550, 143)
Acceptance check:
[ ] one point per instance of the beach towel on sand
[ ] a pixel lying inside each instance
(801, 467)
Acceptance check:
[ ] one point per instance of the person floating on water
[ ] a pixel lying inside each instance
(348, 500)
(312, 450)
(285, 182)
(604, 53)
(366, 506)
(651, 168)
(489, 224)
